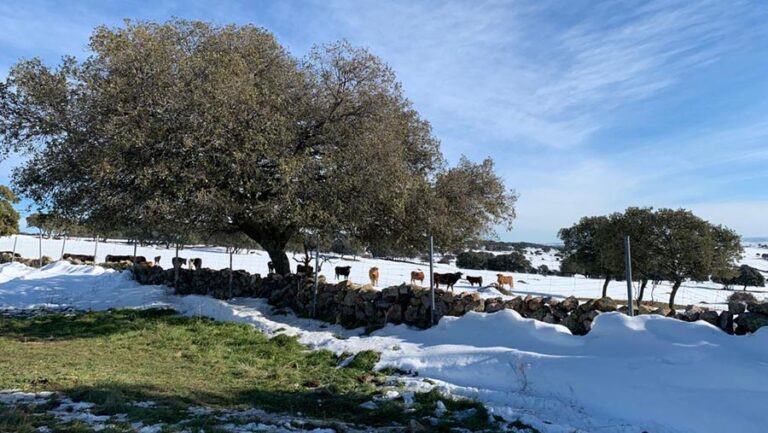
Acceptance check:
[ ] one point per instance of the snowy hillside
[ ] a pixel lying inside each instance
(393, 273)
(646, 373)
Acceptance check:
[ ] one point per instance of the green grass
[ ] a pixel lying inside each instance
(117, 358)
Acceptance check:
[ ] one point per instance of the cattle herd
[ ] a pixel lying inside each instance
(448, 279)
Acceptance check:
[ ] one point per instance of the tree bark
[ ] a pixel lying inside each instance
(605, 285)
(672, 295)
(273, 240)
(643, 283)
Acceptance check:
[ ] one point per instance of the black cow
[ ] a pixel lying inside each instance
(301, 269)
(178, 262)
(117, 259)
(448, 279)
(343, 271)
(81, 257)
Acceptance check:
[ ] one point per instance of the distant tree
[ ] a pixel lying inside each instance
(183, 127)
(9, 217)
(514, 261)
(639, 224)
(594, 246)
(473, 260)
(689, 248)
(667, 244)
(744, 275)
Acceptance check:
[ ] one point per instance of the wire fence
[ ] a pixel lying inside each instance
(391, 272)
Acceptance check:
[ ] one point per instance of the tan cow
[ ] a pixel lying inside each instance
(373, 274)
(417, 276)
(505, 279)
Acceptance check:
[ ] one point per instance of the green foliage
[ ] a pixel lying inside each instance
(512, 262)
(744, 275)
(667, 244)
(180, 128)
(473, 260)
(9, 217)
(365, 360)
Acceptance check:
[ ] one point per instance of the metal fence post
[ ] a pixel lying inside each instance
(96, 251)
(40, 250)
(63, 245)
(628, 268)
(431, 276)
(13, 254)
(176, 267)
(231, 251)
(317, 271)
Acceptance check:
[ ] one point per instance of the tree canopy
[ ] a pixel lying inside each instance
(668, 244)
(9, 217)
(169, 129)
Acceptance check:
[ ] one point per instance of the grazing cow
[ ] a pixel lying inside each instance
(373, 274)
(301, 269)
(475, 280)
(178, 262)
(343, 271)
(196, 263)
(117, 259)
(417, 276)
(157, 260)
(80, 257)
(505, 279)
(271, 267)
(448, 279)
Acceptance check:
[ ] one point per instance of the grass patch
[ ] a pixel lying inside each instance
(117, 358)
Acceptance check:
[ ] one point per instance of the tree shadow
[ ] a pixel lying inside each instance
(62, 326)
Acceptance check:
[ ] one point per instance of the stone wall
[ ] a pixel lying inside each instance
(353, 305)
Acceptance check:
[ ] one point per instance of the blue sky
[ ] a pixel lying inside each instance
(587, 107)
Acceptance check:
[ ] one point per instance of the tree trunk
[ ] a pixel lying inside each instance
(280, 260)
(605, 285)
(643, 283)
(672, 295)
(273, 240)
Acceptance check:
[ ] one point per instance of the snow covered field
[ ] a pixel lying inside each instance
(393, 273)
(647, 373)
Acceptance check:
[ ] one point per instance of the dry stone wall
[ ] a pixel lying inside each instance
(353, 305)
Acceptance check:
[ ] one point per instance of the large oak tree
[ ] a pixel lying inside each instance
(180, 128)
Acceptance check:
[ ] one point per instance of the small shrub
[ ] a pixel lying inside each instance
(473, 260)
(365, 360)
(742, 297)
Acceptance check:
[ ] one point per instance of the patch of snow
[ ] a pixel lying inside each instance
(627, 375)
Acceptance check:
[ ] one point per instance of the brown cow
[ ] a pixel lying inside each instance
(343, 271)
(373, 274)
(417, 276)
(475, 280)
(505, 279)
(448, 279)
